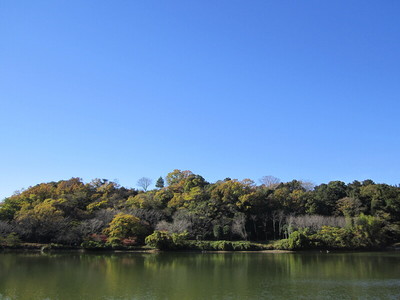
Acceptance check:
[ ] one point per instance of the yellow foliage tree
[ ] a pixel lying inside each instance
(124, 226)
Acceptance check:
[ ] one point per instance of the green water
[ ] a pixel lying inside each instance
(208, 276)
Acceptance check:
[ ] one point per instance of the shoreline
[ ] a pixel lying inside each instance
(47, 248)
(44, 249)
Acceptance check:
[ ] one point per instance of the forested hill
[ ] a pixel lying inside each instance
(70, 211)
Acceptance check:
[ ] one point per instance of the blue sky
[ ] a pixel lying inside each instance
(126, 89)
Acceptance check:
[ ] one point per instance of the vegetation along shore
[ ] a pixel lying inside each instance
(185, 212)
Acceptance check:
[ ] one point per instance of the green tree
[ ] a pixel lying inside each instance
(164, 240)
(327, 195)
(176, 176)
(125, 226)
(368, 232)
(349, 207)
(41, 223)
(160, 183)
(143, 200)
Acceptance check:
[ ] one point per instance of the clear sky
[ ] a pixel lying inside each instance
(241, 89)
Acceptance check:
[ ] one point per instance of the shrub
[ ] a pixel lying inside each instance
(282, 244)
(368, 232)
(221, 245)
(11, 240)
(92, 245)
(332, 237)
(243, 246)
(298, 240)
(159, 239)
(129, 241)
(179, 239)
(98, 237)
(114, 242)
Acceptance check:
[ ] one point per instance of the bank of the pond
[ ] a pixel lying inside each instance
(44, 248)
(187, 246)
(197, 246)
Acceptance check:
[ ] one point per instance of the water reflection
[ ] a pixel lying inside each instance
(200, 276)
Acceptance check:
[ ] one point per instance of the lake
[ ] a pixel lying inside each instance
(311, 275)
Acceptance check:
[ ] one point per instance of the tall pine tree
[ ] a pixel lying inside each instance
(160, 183)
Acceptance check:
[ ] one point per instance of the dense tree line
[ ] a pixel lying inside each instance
(72, 212)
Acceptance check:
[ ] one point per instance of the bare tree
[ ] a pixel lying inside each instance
(144, 183)
(91, 226)
(239, 225)
(149, 215)
(270, 181)
(264, 220)
(96, 224)
(274, 219)
(289, 225)
(181, 221)
(177, 226)
(315, 222)
(307, 185)
(254, 219)
(281, 219)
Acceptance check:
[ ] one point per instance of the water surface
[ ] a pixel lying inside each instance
(200, 276)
